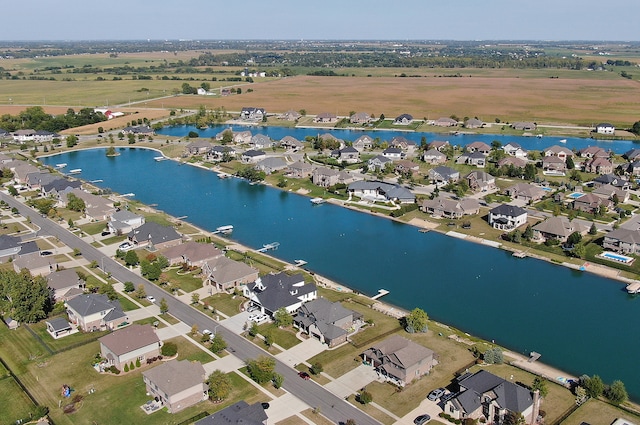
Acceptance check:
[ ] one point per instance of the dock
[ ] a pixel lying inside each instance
(633, 288)
(160, 158)
(533, 356)
(224, 229)
(519, 254)
(75, 171)
(269, 246)
(381, 293)
(128, 194)
(318, 201)
(423, 230)
(299, 263)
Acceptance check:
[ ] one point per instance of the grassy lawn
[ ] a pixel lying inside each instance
(315, 417)
(372, 411)
(191, 352)
(169, 318)
(127, 304)
(285, 338)
(598, 412)
(19, 349)
(15, 403)
(227, 304)
(186, 282)
(56, 345)
(150, 321)
(114, 239)
(94, 228)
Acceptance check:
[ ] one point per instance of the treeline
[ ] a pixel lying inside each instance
(35, 118)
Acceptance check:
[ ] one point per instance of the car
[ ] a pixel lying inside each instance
(252, 308)
(151, 298)
(261, 318)
(265, 406)
(304, 375)
(446, 397)
(125, 246)
(422, 419)
(436, 394)
(105, 233)
(253, 316)
(206, 332)
(45, 253)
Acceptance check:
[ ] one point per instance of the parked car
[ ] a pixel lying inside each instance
(422, 419)
(253, 316)
(436, 394)
(261, 318)
(105, 233)
(304, 375)
(151, 298)
(45, 253)
(125, 246)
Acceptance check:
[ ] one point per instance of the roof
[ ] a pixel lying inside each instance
(252, 153)
(88, 304)
(154, 232)
(62, 279)
(445, 172)
(279, 290)
(390, 191)
(193, 251)
(324, 314)
(508, 395)
(224, 270)
(625, 235)
(59, 324)
(176, 376)
(508, 210)
(238, 413)
(402, 351)
(9, 242)
(129, 339)
(559, 226)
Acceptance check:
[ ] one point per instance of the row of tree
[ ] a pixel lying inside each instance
(35, 118)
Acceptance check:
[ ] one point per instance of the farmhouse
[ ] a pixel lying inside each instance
(605, 128)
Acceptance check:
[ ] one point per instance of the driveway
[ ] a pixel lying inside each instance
(236, 323)
(301, 352)
(429, 407)
(352, 381)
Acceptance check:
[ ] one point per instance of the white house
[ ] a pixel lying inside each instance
(605, 128)
(507, 217)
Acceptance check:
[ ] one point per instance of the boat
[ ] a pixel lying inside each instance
(75, 171)
(318, 201)
(563, 141)
(225, 229)
(539, 136)
(64, 164)
(160, 158)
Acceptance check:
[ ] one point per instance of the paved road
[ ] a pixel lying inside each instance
(330, 405)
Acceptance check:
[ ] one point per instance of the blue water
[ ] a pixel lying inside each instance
(529, 143)
(579, 322)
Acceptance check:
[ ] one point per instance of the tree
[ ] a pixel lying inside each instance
(108, 290)
(131, 258)
(316, 368)
(593, 385)
(217, 343)
(416, 321)
(540, 384)
(277, 380)
(616, 393)
(26, 298)
(219, 385)
(261, 369)
(635, 129)
(164, 307)
(70, 223)
(169, 349)
(195, 298)
(574, 239)
(513, 418)
(140, 291)
(12, 190)
(128, 287)
(283, 318)
(569, 163)
(593, 229)
(74, 203)
(71, 141)
(253, 329)
(365, 397)
(111, 151)
(194, 329)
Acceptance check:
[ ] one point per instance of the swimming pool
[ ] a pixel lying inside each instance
(617, 257)
(575, 195)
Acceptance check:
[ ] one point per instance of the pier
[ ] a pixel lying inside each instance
(269, 246)
(381, 293)
(224, 229)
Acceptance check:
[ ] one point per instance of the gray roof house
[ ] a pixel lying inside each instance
(363, 142)
(626, 241)
(478, 147)
(613, 180)
(95, 312)
(300, 169)
(155, 235)
(479, 181)
(329, 322)
(450, 208)
(177, 384)
(327, 177)
(381, 191)
(434, 157)
(379, 162)
(274, 291)
(524, 125)
(253, 156)
(271, 164)
(393, 153)
(290, 142)
(130, 344)
(444, 174)
(261, 141)
(226, 274)
(217, 153)
(484, 395)
(473, 123)
(124, 221)
(507, 217)
(404, 119)
(349, 154)
(476, 158)
(557, 228)
(9, 245)
(198, 147)
(399, 359)
(526, 192)
(65, 284)
(240, 413)
(192, 253)
(252, 114)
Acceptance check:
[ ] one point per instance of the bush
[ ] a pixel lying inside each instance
(138, 362)
(316, 368)
(114, 369)
(131, 366)
(365, 397)
(126, 368)
(169, 349)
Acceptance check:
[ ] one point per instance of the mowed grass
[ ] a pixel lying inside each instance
(15, 403)
(598, 412)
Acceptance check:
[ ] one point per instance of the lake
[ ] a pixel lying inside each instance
(579, 322)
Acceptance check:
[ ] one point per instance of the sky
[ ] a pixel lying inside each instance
(321, 20)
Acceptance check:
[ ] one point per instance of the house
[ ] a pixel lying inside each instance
(289, 142)
(9, 246)
(363, 142)
(489, 398)
(552, 165)
(360, 118)
(444, 174)
(290, 115)
(241, 137)
(393, 153)
(633, 168)
(632, 154)
(381, 191)
(507, 217)
(42, 136)
(598, 165)
(153, 235)
(249, 113)
(526, 192)
(605, 128)
(240, 413)
(64, 285)
(226, 274)
(218, 153)
(130, 344)
(399, 360)
(591, 203)
(59, 327)
(402, 143)
(613, 180)
(405, 166)
(124, 221)
(624, 241)
(450, 208)
(610, 192)
(11, 323)
(300, 170)
(349, 155)
(198, 147)
(558, 152)
(26, 135)
(261, 141)
(192, 253)
(593, 152)
(512, 160)
(478, 147)
(434, 157)
(4, 133)
(56, 186)
(37, 264)
(139, 130)
(177, 384)
(271, 165)
(326, 117)
(378, 162)
(272, 292)
(474, 158)
(404, 119)
(327, 321)
(96, 208)
(438, 145)
(479, 181)
(93, 312)
(445, 122)
(253, 156)
(557, 227)
(326, 177)
(524, 126)
(514, 149)
(473, 123)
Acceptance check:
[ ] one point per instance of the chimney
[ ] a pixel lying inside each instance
(536, 407)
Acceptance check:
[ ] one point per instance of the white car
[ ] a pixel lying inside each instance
(151, 298)
(253, 316)
(125, 246)
(261, 319)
